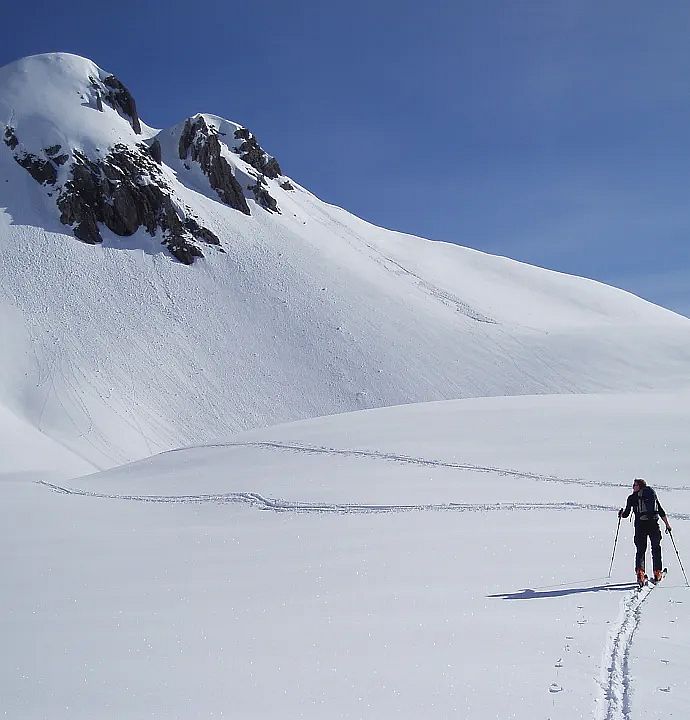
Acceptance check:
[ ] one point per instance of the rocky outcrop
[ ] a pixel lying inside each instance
(126, 191)
(10, 138)
(112, 91)
(263, 197)
(42, 169)
(287, 185)
(155, 151)
(253, 154)
(53, 152)
(200, 142)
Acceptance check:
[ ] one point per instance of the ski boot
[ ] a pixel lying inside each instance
(641, 577)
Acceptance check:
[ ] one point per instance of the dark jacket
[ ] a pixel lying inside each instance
(637, 502)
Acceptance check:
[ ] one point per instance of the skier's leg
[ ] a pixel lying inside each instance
(655, 538)
(641, 545)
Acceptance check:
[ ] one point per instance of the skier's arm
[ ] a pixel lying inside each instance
(628, 507)
(662, 515)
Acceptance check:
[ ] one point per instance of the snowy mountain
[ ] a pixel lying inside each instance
(162, 288)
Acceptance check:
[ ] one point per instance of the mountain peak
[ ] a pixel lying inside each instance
(76, 130)
(62, 99)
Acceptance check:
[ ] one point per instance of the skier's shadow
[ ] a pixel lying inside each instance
(528, 594)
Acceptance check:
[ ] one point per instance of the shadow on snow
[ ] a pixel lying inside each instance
(528, 594)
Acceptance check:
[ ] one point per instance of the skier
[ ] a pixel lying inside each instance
(645, 504)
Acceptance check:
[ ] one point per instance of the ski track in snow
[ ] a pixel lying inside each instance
(426, 462)
(349, 235)
(615, 675)
(282, 505)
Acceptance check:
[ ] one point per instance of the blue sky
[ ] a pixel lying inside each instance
(552, 132)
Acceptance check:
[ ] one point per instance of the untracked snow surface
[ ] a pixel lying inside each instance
(439, 560)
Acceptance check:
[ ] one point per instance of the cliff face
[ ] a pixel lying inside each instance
(125, 191)
(200, 143)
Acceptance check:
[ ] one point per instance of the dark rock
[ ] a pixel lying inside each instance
(200, 232)
(287, 185)
(188, 133)
(79, 200)
(87, 231)
(10, 138)
(272, 168)
(185, 252)
(126, 191)
(120, 98)
(264, 198)
(242, 134)
(53, 150)
(42, 171)
(201, 143)
(222, 180)
(99, 102)
(155, 151)
(251, 152)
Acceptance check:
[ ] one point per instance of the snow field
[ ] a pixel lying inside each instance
(174, 601)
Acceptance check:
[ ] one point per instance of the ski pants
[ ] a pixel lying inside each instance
(647, 529)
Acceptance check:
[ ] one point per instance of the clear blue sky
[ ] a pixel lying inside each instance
(553, 132)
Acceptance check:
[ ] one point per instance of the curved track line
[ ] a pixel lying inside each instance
(350, 235)
(425, 462)
(263, 502)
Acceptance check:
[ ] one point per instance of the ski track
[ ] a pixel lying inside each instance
(425, 462)
(261, 502)
(358, 242)
(616, 680)
(281, 505)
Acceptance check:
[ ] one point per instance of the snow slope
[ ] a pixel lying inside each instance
(307, 312)
(438, 560)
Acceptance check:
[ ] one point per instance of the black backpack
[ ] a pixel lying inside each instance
(647, 508)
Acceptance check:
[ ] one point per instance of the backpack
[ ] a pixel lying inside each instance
(647, 508)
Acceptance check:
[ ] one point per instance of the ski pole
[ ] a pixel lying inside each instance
(615, 542)
(679, 560)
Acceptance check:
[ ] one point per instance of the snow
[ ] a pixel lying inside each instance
(410, 559)
(49, 101)
(251, 579)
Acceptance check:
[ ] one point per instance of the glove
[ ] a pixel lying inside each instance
(668, 529)
(620, 513)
